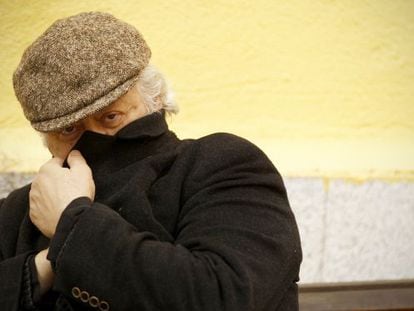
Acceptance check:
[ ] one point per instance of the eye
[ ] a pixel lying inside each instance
(112, 119)
(111, 116)
(70, 133)
(68, 130)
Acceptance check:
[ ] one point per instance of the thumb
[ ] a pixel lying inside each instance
(75, 160)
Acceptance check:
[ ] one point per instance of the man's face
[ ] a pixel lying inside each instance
(108, 121)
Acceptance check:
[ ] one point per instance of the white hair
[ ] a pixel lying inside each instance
(155, 91)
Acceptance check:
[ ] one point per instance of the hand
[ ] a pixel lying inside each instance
(54, 187)
(44, 270)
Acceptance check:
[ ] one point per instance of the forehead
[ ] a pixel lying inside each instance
(124, 102)
(115, 105)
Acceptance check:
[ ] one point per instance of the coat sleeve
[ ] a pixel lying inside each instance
(12, 278)
(237, 245)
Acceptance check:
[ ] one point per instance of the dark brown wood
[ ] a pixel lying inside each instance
(378, 295)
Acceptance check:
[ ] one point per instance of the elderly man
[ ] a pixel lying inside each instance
(126, 216)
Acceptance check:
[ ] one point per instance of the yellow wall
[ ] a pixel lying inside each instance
(326, 88)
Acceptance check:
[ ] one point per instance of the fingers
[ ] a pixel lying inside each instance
(75, 158)
(76, 161)
(53, 163)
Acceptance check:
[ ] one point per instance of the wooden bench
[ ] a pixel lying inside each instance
(378, 295)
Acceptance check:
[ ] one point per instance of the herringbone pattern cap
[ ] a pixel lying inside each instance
(79, 65)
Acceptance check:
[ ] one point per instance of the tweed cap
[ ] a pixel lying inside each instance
(78, 66)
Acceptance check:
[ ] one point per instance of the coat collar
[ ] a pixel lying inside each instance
(139, 139)
(151, 125)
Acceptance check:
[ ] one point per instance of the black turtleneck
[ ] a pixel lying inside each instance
(139, 139)
(175, 225)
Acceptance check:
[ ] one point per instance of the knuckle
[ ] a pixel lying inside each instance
(43, 169)
(75, 154)
(48, 163)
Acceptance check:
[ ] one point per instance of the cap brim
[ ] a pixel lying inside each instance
(97, 105)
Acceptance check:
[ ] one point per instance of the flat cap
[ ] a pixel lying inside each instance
(78, 66)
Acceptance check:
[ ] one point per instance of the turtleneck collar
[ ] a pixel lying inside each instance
(151, 125)
(141, 138)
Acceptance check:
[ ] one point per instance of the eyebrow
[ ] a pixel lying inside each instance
(120, 106)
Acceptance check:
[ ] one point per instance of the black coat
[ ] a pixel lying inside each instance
(176, 225)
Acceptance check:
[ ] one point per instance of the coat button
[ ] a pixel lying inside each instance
(94, 302)
(84, 296)
(76, 292)
(103, 306)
